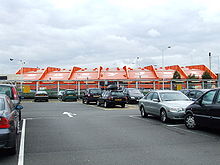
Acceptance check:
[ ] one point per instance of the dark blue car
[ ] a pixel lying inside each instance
(9, 124)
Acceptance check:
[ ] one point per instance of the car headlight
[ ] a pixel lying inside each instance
(176, 109)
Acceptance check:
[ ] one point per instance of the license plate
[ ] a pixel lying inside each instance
(118, 99)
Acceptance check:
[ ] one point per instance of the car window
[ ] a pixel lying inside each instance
(10, 104)
(192, 94)
(95, 91)
(208, 98)
(6, 90)
(198, 94)
(218, 99)
(2, 104)
(173, 96)
(155, 96)
(117, 93)
(70, 92)
(149, 96)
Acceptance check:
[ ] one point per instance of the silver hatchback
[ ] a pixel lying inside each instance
(167, 104)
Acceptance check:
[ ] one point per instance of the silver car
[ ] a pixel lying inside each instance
(166, 104)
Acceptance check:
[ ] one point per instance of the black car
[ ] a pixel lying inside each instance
(194, 94)
(205, 111)
(69, 95)
(112, 98)
(9, 124)
(91, 95)
(133, 95)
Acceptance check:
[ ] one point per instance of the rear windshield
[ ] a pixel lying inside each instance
(117, 93)
(95, 91)
(134, 91)
(2, 104)
(70, 92)
(6, 90)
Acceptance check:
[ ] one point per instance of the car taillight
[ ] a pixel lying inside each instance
(110, 98)
(4, 123)
(15, 93)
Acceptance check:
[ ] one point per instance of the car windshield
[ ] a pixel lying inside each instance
(134, 91)
(2, 104)
(95, 91)
(173, 96)
(117, 93)
(70, 92)
(6, 90)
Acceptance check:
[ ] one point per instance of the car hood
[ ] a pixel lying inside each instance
(181, 104)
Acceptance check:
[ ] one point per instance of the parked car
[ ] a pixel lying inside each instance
(11, 91)
(166, 104)
(41, 96)
(91, 95)
(112, 98)
(9, 124)
(194, 94)
(133, 95)
(60, 94)
(205, 111)
(69, 95)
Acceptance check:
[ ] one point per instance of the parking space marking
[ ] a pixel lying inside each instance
(21, 151)
(128, 107)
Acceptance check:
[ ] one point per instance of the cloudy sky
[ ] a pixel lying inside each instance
(90, 33)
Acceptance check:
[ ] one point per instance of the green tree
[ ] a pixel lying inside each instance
(206, 75)
(176, 75)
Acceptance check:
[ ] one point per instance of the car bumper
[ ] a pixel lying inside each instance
(93, 99)
(7, 138)
(116, 102)
(41, 98)
(176, 115)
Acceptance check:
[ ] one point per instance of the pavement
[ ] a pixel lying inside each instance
(79, 134)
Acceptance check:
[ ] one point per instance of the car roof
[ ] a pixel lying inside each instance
(167, 91)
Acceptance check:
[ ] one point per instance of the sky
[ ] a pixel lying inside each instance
(109, 33)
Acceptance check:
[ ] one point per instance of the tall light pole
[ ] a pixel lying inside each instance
(163, 62)
(22, 62)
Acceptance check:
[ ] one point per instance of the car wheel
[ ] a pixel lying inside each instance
(98, 103)
(122, 105)
(105, 104)
(87, 101)
(163, 116)
(143, 113)
(190, 122)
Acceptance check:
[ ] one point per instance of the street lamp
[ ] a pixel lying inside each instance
(22, 62)
(163, 62)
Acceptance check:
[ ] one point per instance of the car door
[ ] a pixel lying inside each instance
(202, 111)
(155, 105)
(147, 102)
(215, 112)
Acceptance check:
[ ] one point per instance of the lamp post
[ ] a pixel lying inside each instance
(22, 62)
(163, 62)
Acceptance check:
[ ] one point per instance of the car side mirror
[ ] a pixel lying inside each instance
(156, 100)
(19, 107)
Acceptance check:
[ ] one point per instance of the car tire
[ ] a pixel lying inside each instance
(143, 112)
(190, 122)
(106, 104)
(163, 116)
(98, 103)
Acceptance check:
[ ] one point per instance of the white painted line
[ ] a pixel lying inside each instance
(69, 114)
(174, 125)
(21, 151)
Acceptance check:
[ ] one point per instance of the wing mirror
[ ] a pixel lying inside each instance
(156, 100)
(19, 107)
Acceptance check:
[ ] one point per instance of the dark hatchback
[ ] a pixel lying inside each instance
(112, 98)
(133, 95)
(205, 111)
(69, 95)
(9, 124)
(91, 95)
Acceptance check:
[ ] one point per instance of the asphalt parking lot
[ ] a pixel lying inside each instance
(75, 133)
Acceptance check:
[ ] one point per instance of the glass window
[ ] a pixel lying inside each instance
(149, 96)
(95, 91)
(6, 90)
(155, 96)
(198, 94)
(117, 93)
(218, 99)
(208, 97)
(192, 94)
(2, 104)
(173, 96)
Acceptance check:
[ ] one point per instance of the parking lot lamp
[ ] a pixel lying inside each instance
(163, 63)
